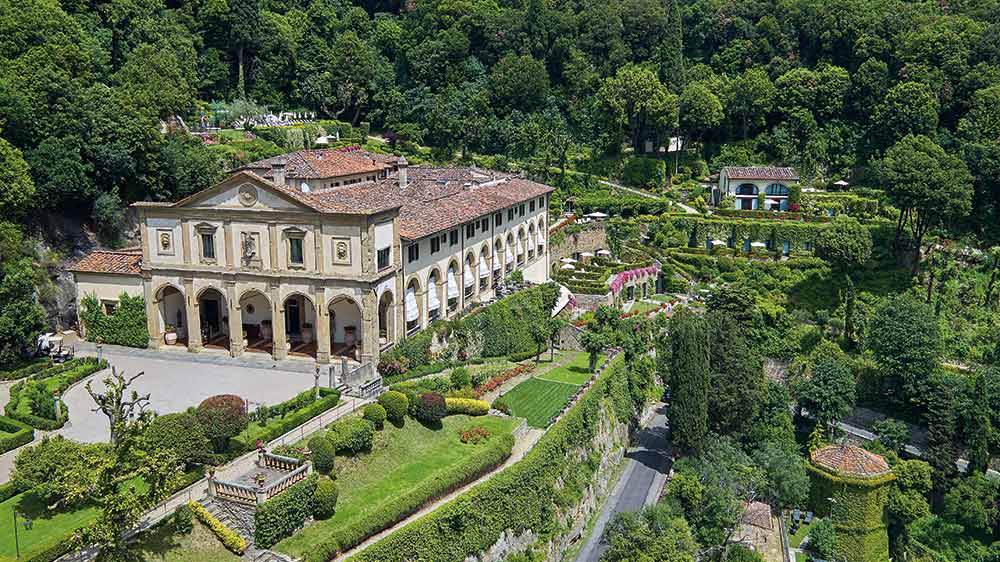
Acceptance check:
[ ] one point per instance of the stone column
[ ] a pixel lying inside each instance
(322, 327)
(193, 317)
(422, 306)
(278, 324)
(461, 285)
(235, 320)
(369, 322)
(152, 314)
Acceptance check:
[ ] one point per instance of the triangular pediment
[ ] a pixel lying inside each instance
(244, 191)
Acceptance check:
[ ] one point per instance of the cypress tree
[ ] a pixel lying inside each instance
(979, 428)
(737, 377)
(942, 454)
(689, 370)
(672, 49)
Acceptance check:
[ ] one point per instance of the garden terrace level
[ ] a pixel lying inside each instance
(253, 266)
(763, 187)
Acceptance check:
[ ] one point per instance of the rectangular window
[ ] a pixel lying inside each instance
(208, 246)
(295, 251)
(520, 210)
(435, 245)
(383, 258)
(497, 219)
(453, 237)
(531, 206)
(413, 253)
(510, 215)
(109, 307)
(470, 230)
(484, 225)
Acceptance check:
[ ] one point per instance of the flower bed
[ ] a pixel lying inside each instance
(495, 382)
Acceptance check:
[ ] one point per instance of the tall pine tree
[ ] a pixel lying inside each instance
(689, 377)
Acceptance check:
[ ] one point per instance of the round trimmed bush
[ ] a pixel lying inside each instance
(182, 435)
(352, 435)
(396, 405)
(376, 414)
(323, 454)
(460, 378)
(182, 519)
(325, 499)
(431, 408)
(222, 416)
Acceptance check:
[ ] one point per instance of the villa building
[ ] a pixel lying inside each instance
(321, 253)
(747, 184)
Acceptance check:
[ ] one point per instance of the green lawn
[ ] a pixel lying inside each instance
(48, 528)
(576, 371)
(643, 306)
(796, 539)
(538, 400)
(163, 544)
(402, 458)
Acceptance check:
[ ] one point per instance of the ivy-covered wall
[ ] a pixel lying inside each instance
(127, 326)
(857, 509)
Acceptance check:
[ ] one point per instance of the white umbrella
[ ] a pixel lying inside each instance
(586, 255)
(718, 242)
(568, 260)
(841, 183)
(596, 215)
(567, 266)
(603, 253)
(758, 245)
(772, 201)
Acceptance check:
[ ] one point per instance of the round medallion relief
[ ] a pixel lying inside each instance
(248, 195)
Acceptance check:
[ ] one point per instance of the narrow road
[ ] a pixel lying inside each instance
(640, 483)
(687, 209)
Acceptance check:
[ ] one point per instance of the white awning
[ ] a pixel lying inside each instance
(568, 260)
(541, 239)
(484, 270)
(509, 257)
(467, 276)
(841, 183)
(433, 300)
(772, 201)
(520, 246)
(596, 215)
(497, 261)
(452, 284)
(412, 311)
(531, 240)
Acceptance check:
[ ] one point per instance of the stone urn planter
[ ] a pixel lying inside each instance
(170, 335)
(265, 330)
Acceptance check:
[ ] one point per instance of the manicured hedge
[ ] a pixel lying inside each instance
(7, 491)
(127, 326)
(285, 513)
(396, 404)
(497, 449)
(276, 427)
(20, 434)
(467, 406)
(526, 495)
(31, 368)
(69, 373)
(235, 543)
(352, 435)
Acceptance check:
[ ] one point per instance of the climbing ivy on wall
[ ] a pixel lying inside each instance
(126, 326)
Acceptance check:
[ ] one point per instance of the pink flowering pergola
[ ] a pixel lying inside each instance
(641, 274)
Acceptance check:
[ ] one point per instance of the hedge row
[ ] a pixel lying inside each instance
(31, 368)
(19, 434)
(467, 406)
(771, 215)
(524, 496)
(235, 543)
(496, 451)
(276, 427)
(285, 513)
(68, 373)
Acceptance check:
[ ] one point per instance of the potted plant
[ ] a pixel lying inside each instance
(265, 330)
(307, 336)
(170, 334)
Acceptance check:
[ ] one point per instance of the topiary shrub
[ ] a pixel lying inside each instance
(323, 453)
(285, 513)
(431, 408)
(183, 521)
(467, 406)
(352, 436)
(501, 405)
(325, 499)
(460, 378)
(376, 414)
(180, 434)
(396, 405)
(222, 416)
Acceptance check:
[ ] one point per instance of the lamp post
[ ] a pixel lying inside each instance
(27, 527)
(316, 382)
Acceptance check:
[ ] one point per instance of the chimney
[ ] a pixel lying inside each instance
(278, 172)
(402, 172)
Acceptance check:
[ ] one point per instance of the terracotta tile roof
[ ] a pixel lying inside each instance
(758, 514)
(364, 198)
(850, 460)
(441, 198)
(321, 164)
(126, 261)
(760, 173)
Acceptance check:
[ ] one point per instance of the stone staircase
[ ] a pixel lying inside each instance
(240, 518)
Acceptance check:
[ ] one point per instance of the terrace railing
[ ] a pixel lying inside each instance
(283, 483)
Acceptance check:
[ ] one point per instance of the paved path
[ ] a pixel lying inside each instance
(521, 448)
(648, 195)
(640, 484)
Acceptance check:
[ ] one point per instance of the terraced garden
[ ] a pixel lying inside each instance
(541, 397)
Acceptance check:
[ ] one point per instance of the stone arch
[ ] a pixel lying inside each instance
(519, 245)
(530, 243)
(483, 267)
(171, 312)
(469, 277)
(346, 326)
(213, 315)
(508, 255)
(411, 305)
(386, 318)
(433, 294)
(257, 321)
(300, 324)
